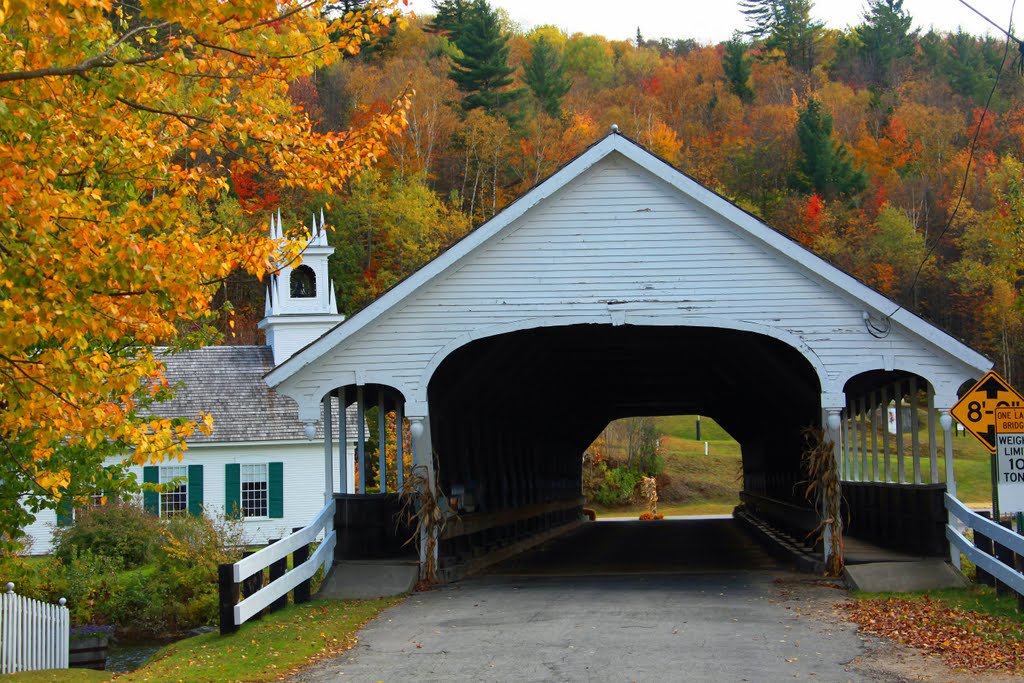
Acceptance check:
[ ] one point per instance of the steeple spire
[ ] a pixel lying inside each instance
(300, 302)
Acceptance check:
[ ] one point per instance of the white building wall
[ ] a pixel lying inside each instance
(620, 245)
(303, 467)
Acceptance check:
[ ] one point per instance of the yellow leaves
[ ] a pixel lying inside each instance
(99, 176)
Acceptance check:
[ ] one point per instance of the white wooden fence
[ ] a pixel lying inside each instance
(234, 613)
(1004, 573)
(33, 634)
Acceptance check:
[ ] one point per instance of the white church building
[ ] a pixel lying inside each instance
(259, 460)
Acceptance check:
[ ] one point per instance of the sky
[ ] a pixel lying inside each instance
(712, 21)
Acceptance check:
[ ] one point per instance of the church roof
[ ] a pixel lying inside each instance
(227, 382)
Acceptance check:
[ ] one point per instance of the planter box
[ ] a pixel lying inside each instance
(89, 653)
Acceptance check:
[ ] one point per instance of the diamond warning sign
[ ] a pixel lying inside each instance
(976, 411)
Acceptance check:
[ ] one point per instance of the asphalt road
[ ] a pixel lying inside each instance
(663, 601)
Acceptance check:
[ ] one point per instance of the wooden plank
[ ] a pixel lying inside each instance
(991, 529)
(1011, 577)
(256, 602)
(287, 545)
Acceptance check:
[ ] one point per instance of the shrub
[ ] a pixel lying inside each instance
(618, 485)
(186, 567)
(122, 531)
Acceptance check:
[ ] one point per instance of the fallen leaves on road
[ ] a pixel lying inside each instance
(966, 640)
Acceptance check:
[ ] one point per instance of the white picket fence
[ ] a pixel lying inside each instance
(33, 634)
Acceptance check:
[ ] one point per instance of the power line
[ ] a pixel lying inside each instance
(883, 331)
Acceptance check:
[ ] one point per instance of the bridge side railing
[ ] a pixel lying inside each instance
(248, 572)
(985, 527)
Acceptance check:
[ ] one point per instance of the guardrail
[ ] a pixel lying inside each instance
(247, 574)
(998, 534)
(33, 634)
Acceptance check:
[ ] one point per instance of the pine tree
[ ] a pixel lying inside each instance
(885, 39)
(736, 65)
(450, 18)
(787, 26)
(483, 71)
(544, 73)
(824, 166)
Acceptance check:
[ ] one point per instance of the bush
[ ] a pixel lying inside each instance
(618, 485)
(186, 567)
(175, 591)
(121, 531)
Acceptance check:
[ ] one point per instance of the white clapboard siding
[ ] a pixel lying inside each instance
(34, 635)
(620, 238)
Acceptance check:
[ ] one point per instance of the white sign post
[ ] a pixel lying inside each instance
(1010, 458)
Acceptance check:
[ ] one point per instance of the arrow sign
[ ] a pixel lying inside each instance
(976, 409)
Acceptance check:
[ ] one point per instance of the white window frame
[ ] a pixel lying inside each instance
(174, 502)
(257, 496)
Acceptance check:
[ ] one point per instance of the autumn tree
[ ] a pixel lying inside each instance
(824, 165)
(544, 73)
(386, 229)
(119, 126)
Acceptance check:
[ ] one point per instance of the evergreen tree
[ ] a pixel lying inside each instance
(885, 39)
(483, 71)
(450, 17)
(787, 26)
(824, 167)
(736, 65)
(544, 73)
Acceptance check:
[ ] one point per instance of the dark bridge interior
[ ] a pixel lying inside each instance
(511, 415)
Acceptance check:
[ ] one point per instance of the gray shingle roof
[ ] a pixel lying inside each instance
(227, 382)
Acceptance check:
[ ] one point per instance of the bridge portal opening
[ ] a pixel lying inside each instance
(512, 415)
(694, 461)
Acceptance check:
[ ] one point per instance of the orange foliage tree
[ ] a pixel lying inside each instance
(118, 126)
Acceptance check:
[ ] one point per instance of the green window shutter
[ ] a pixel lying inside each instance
(151, 499)
(275, 500)
(195, 490)
(65, 513)
(233, 490)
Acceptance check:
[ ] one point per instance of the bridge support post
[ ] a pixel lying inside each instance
(946, 421)
(422, 459)
(833, 424)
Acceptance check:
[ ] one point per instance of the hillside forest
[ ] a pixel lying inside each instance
(895, 154)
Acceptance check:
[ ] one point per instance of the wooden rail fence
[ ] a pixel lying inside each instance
(996, 550)
(246, 576)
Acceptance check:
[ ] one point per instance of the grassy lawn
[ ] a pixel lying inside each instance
(264, 650)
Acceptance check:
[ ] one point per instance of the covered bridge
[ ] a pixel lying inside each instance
(619, 287)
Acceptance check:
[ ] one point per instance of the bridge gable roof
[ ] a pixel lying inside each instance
(738, 220)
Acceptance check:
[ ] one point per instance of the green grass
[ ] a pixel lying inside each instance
(263, 650)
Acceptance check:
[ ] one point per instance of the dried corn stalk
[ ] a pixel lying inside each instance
(421, 511)
(823, 489)
(650, 490)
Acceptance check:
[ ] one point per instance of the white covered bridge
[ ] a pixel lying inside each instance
(620, 287)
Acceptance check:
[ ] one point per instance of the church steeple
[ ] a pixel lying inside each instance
(300, 304)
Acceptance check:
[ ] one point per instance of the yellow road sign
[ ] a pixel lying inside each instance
(976, 411)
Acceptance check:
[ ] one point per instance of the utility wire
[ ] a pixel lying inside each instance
(883, 330)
